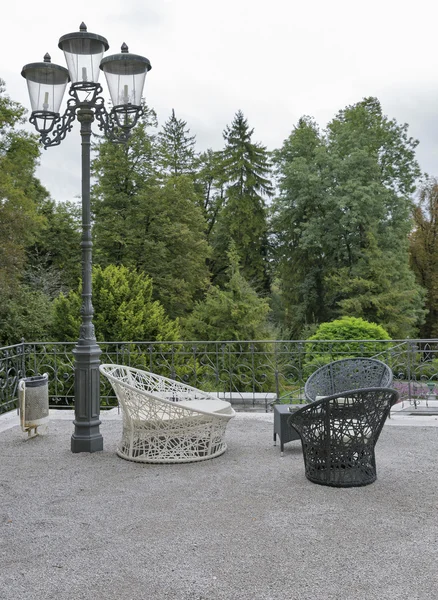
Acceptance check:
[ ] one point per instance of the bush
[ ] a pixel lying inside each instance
(344, 338)
(124, 309)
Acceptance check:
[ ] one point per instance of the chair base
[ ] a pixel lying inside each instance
(171, 459)
(343, 482)
(174, 442)
(349, 470)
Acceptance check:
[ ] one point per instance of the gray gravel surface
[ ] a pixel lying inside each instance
(244, 526)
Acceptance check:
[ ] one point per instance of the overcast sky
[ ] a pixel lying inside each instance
(275, 60)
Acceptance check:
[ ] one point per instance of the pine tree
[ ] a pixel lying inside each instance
(210, 185)
(243, 216)
(176, 148)
(124, 173)
(172, 247)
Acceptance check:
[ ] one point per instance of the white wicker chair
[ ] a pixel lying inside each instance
(165, 421)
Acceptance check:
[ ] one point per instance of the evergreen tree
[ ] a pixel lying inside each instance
(210, 185)
(53, 260)
(301, 263)
(172, 247)
(233, 313)
(124, 309)
(424, 252)
(242, 218)
(24, 313)
(176, 148)
(157, 228)
(343, 218)
(125, 173)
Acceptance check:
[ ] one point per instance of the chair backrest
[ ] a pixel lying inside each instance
(347, 374)
(149, 396)
(346, 418)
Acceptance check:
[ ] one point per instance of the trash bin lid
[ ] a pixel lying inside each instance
(36, 380)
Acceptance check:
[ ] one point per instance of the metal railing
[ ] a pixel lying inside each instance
(252, 374)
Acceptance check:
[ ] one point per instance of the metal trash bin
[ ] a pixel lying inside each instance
(33, 397)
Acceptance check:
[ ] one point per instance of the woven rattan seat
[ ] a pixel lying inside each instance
(339, 433)
(165, 421)
(347, 374)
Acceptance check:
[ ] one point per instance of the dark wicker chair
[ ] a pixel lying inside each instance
(339, 433)
(347, 374)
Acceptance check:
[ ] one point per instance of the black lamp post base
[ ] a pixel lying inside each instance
(86, 436)
(89, 442)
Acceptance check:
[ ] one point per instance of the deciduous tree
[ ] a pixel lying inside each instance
(424, 252)
(343, 219)
(20, 190)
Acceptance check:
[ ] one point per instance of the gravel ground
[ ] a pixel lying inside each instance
(244, 526)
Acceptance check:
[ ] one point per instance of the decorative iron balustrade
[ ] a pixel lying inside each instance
(252, 374)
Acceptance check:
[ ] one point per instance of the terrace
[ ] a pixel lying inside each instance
(244, 526)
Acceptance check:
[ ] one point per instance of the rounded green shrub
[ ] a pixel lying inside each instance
(345, 338)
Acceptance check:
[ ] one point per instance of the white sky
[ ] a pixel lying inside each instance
(275, 60)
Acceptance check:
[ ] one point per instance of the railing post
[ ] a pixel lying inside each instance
(23, 359)
(277, 382)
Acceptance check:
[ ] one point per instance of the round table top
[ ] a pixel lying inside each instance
(218, 406)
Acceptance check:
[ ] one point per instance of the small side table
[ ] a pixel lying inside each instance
(281, 414)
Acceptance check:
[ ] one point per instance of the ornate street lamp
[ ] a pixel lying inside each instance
(125, 74)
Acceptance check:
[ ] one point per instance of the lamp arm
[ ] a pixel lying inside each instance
(59, 127)
(117, 124)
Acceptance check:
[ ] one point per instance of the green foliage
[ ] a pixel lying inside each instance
(142, 224)
(297, 223)
(20, 191)
(210, 185)
(342, 219)
(176, 148)
(242, 217)
(24, 313)
(56, 250)
(125, 175)
(172, 248)
(350, 328)
(124, 309)
(424, 252)
(340, 233)
(233, 313)
(368, 293)
(324, 351)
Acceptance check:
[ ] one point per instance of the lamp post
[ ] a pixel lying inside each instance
(125, 74)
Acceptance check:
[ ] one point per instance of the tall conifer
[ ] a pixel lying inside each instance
(243, 216)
